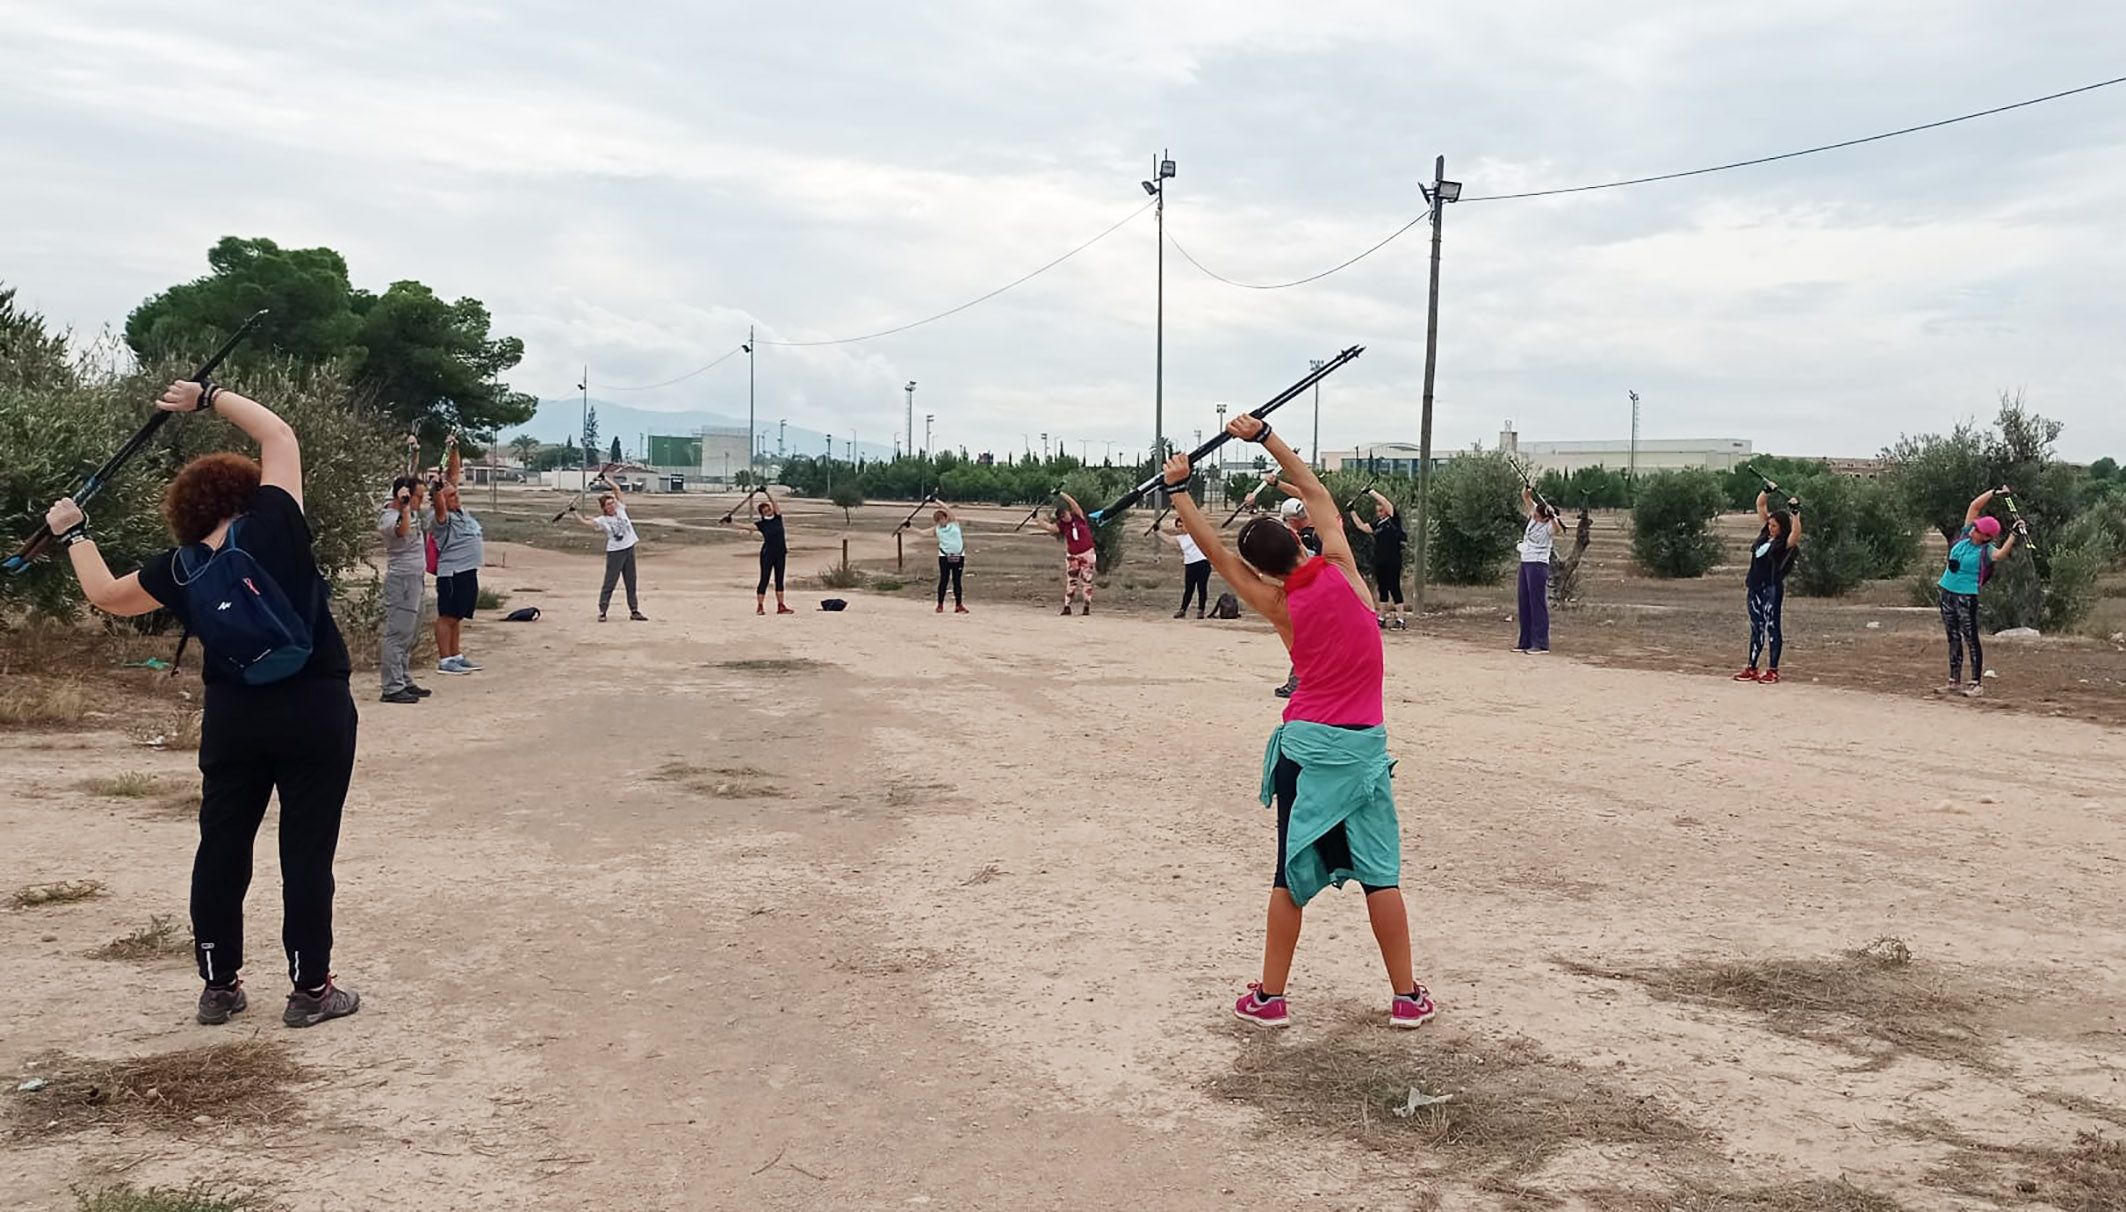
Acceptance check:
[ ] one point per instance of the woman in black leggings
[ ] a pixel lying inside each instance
(774, 554)
(278, 720)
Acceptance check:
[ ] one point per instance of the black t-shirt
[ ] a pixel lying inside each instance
(273, 532)
(1310, 539)
(1388, 540)
(1770, 559)
(771, 539)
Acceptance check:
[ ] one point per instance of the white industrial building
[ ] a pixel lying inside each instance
(1645, 455)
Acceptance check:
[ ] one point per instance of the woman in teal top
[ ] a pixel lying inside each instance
(952, 555)
(1971, 561)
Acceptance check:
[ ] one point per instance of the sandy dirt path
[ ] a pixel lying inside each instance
(946, 912)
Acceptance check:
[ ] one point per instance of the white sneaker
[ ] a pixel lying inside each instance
(451, 665)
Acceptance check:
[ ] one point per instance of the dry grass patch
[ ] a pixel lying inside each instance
(720, 782)
(2088, 1175)
(244, 1082)
(1872, 1001)
(1491, 1110)
(132, 785)
(772, 665)
(64, 892)
(1821, 1195)
(161, 938)
(198, 1198)
(44, 704)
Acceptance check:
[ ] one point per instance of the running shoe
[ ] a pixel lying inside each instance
(1974, 691)
(216, 1005)
(782, 609)
(1747, 675)
(636, 616)
(1413, 1011)
(400, 696)
(1770, 678)
(958, 609)
(1086, 608)
(1181, 613)
(451, 665)
(468, 664)
(419, 692)
(1950, 688)
(310, 1009)
(601, 616)
(941, 608)
(1263, 1012)
(759, 609)
(1066, 608)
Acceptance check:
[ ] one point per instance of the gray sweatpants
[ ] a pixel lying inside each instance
(618, 564)
(402, 622)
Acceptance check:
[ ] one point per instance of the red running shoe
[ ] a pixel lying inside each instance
(1747, 675)
(1770, 678)
(1263, 1013)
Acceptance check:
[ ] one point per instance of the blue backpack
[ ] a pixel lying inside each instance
(240, 615)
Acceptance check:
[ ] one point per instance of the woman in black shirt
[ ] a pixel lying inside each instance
(774, 555)
(1771, 558)
(294, 735)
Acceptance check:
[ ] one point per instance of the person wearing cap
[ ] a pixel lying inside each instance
(1971, 561)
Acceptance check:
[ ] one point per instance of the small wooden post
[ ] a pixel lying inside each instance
(845, 553)
(900, 557)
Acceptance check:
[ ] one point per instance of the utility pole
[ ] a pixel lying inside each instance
(782, 430)
(1631, 473)
(1315, 450)
(910, 389)
(583, 434)
(830, 464)
(1442, 192)
(1162, 172)
(750, 441)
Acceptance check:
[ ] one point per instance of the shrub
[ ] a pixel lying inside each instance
(490, 599)
(1853, 531)
(888, 584)
(1476, 519)
(841, 576)
(2100, 529)
(2052, 592)
(1672, 523)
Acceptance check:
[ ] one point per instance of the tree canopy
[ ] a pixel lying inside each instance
(427, 363)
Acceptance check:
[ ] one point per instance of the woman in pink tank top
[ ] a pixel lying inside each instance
(1326, 768)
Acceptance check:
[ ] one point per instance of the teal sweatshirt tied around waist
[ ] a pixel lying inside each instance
(1344, 780)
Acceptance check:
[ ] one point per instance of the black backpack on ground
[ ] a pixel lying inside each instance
(1227, 607)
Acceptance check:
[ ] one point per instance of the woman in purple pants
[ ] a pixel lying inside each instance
(1544, 526)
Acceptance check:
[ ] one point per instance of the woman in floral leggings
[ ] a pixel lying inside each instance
(1080, 560)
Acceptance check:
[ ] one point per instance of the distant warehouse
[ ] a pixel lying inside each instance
(1660, 454)
(711, 454)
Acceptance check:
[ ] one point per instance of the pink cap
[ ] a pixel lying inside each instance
(1988, 528)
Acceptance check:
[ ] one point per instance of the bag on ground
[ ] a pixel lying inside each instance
(834, 604)
(1227, 607)
(522, 614)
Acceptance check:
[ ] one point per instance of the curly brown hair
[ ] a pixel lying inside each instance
(209, 491)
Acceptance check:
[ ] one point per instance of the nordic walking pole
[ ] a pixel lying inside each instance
(1248, 500)
(1521, 470)
(1036, 511)
(20, 561)
(1152, 482)
(578, 498)
(910, 519)
(1160, 517)
(1362, 494)
(2016, 516)
(732, 512)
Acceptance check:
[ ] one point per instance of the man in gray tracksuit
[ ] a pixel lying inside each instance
(405, 532)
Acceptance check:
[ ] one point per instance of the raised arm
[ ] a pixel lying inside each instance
(1360, 522)
(1382, 498)
(1263, 597)
(1300, 481)
(1764, 508)
(280, 457)
(1793, 508)
(453, 466)
(2007, 545)
(1979, 503)
(1071, 502)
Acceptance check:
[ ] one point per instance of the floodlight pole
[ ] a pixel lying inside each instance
(1315, 450)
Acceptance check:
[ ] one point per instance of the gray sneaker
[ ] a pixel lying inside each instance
(216, 1005)
(310, 1009)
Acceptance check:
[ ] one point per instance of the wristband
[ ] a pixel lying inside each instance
(79, 534)
(207, 392)
(1264, 436)
(1171, 489)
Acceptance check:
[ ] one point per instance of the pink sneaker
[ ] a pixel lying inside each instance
(1271, 1013)
(1413, 1011)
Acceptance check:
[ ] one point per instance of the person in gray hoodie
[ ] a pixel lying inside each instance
(405, 533)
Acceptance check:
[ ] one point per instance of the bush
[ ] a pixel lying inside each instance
(2100, 529)
(2053, 592)
(1476, 519)
(490, 599)
(888, 584)
(1672, 523)
(1853, 531)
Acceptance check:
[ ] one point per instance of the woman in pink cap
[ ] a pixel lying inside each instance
(1971, 561)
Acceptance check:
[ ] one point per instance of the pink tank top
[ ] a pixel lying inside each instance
(1335, 649)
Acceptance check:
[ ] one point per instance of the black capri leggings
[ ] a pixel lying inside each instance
(951, 569)
(1388, 581)
(1196, 583)
(772, 564)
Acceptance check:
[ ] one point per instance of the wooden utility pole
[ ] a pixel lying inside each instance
(1424, 432)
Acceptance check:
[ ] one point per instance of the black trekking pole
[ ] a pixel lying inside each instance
(1246, 501)
(578, 498)
(42, 539)
(1361, 494)
(1770, 485)
(728, 514)
(1161, 517)
(1521, 470)
(1158, 476)
(1036, 512)
(910, 519)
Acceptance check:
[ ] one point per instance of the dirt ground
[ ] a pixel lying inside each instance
(888, 910)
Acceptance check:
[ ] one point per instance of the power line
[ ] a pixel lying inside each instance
(984, 298)
(735, 351)
(1806, 151)
(1383, 243)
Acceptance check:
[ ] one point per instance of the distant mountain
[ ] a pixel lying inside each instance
(561, 420)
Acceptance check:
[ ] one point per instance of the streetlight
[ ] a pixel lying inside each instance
(1442, 192)
(583, 435)
(830, 464)
(782, 430)
(1162, 172)
(910, 389)
(1044, 448)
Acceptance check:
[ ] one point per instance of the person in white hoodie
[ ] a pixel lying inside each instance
(620, 543)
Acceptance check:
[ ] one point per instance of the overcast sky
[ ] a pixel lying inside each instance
(631, 185)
